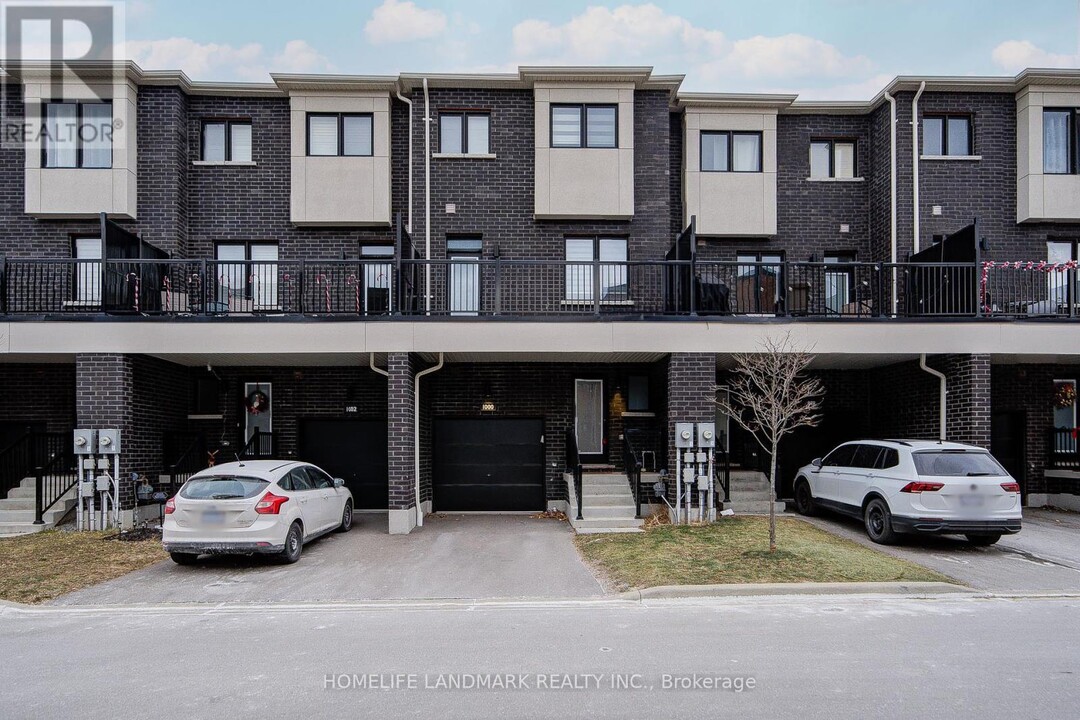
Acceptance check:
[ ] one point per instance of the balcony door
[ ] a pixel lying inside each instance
(378, 278)
(1064, 418)
(758, 287)
(464, 275)
(838, 283)
(87, 280)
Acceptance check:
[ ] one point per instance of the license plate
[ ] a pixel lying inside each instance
(971, 500)
(213, 517)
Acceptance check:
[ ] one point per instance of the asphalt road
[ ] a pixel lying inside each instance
(805, 657)
(1044, 557)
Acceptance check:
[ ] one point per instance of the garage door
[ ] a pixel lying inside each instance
(488, 464)
(353, 450)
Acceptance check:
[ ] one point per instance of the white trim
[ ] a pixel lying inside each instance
(463, 156)
(221, 163)
(962, 158)
(836, 179)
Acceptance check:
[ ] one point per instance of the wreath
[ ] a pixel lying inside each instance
(1065, 395)
(257, 402)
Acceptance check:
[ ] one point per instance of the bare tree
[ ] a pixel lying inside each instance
(770, 396)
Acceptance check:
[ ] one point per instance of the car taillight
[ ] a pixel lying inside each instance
(1012, 487)
(270, 504)
(170, 506)
(918, 487)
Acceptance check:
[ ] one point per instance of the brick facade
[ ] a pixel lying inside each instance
(400, 412)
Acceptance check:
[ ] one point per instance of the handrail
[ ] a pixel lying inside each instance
(722, 467)
(20, 458)
(187, 464)
(259, 445)
(632, 465)
(573, 465)
(50, 486)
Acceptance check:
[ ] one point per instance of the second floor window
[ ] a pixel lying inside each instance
(581, 254)
(77, 135)
(226, 141)
(247, 276)
(832, 159)
(726, 151)
(340, 134)
(946, 135)
(584, 126)
(1059, 144)
(464, 133)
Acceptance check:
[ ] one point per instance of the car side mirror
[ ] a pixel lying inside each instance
(816, 462)
(338, 482)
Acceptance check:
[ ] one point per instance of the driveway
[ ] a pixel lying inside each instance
(452, 556)
(1043, 558)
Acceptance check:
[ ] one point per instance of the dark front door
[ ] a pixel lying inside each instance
(1008, 440)
(353, 450)
(488, 464)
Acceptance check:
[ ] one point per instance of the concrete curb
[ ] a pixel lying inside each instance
(835, 588)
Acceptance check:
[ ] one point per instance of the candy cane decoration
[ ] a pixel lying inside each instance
(167, 284)
(127, 279)
(321, 280)
(354, 281)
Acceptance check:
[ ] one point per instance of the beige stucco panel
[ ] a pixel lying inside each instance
(343, 190)
(587, 182)
(1061, 197)
(738, 204)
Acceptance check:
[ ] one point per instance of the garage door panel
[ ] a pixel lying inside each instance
(488, 464)
(353, 450)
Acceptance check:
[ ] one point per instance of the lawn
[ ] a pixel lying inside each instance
(736, 550)
(36, 568)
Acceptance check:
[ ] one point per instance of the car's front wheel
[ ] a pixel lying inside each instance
(983, 540)
(346, 517)
(294, 544)
(184, 558)
(878, 522)
(804, 498)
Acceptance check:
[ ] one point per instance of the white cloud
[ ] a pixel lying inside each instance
(214, 61)
(394, 22)
(791, 56)
(1015, 55)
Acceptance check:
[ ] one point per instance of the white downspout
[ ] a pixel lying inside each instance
(416, 434)
(427, 201)
(408, 102)
(941, 410)
(376, 368)
(915, 159)
(892, 192)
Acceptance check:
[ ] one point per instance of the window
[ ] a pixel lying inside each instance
(723, 151)
(758, 283)
(318, 479)
(639, 393)
(947, 135)
(832, 158)
(1059, 147)
(956, 463)
(1062, 285)
(839, 279)
(226, 141)
(866, 456)
(340, 134)
(378, 278)
(206, 395)
(889, 458)
(840, 457)
(77, 135)
(247, 271)
(87, 281)
(464, 133)
(581, 253)
(584, 126)
(298, 480)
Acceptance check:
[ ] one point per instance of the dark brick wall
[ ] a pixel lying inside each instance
(164, 163)
(691, 383)
(400, 416)
(41, 394)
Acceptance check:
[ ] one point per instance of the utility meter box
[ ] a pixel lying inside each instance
(85, 442)
(706, 435)
(104, 483)
(684, 435)
(87, 488)
(109, 442)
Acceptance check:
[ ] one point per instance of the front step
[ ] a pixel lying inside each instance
(18, 509)
(607, 504)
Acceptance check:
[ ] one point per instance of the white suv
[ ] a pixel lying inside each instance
(913, 486)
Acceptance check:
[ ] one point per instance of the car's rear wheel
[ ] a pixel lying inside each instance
(804, 499)
(184, 558)
(346, 517)
(294, 544)
(878, 522)
(983, 540)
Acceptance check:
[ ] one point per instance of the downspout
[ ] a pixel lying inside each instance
(376, 368)
(915, 159)
(427, 201)
(892, 193)
(941, 402)
(416, 434)
(408, 102)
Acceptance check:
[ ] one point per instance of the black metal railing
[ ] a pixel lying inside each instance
(722, 467)
(1064, 450)
(21, 458)
(469, 287)
(632, 465)
(53, 479)
(573, 466)
(189, 451)
(260, 445)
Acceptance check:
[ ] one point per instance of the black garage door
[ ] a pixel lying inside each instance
(488, 464)
(353, 450)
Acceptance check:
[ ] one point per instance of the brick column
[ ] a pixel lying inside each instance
(400, 409)
(691, 379)
(967, 404)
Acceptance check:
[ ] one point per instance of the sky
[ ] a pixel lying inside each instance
(826, 49)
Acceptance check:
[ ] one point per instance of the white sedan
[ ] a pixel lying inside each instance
(257, 506)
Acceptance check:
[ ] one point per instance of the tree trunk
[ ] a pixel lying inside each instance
(772, 499)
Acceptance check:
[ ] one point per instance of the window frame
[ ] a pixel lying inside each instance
(731, 150)
(78, 134)
(93, 295)
(944, 118)
(340, 116)
(832, 142)
(596, 294)
(464, 114)
(1070, 136)
(758, 265)
(583, 129)
(228, 123)
(247, 262)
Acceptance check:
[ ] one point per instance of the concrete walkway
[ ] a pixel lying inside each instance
(1043, 558)
(452, 556)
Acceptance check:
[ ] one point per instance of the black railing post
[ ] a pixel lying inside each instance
(300, 283)
(39, 495)
(3, 285)
(693, 265)
(577, 488)
(596, 285)
(202, 287)
(498, 282)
